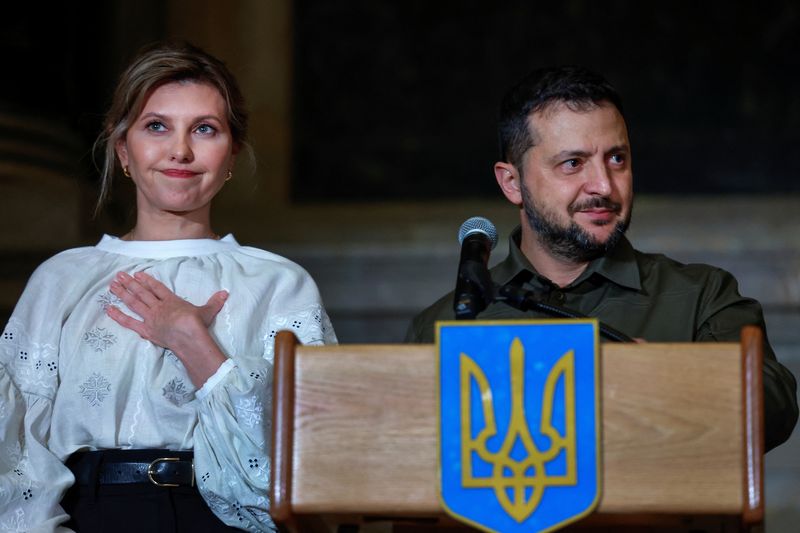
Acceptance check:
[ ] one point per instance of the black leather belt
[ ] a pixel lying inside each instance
(163, 468)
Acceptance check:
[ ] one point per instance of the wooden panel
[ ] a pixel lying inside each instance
(382, 403)
(672, 428)
(753, 427)
(366, 429)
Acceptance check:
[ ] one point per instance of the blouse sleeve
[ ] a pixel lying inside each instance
(232, 438)
(32, 479)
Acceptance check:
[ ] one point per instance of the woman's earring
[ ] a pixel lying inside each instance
(230, 175)
(125, 171)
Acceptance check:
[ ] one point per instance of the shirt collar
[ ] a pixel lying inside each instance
(618, 266)
(167, 249)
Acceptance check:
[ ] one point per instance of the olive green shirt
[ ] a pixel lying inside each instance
(646, 296)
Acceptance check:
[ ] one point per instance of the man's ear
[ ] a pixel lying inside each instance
(122, 152)
(508, 178)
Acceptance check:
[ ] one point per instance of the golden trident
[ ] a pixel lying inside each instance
(508, 474)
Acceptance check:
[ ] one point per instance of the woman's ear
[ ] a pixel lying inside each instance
(121, 148)
(508, 178)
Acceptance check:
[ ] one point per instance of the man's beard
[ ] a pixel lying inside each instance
(572, 242)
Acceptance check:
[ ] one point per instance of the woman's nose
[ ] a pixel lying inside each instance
(182, 150)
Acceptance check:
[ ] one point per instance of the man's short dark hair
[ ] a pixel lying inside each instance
(576, 87)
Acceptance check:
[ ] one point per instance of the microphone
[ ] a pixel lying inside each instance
(474, 287)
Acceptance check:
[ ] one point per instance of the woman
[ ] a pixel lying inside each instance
(146, 360)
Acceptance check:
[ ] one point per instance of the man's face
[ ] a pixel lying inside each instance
(576, 181)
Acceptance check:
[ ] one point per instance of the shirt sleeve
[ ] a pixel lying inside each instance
(232, 438)
(32, 479)
(724, 314)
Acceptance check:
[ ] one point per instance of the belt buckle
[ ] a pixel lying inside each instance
(151, 470)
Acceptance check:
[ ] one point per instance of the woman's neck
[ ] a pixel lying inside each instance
(167, 228)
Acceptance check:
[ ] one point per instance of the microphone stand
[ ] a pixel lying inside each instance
(526, 300)
(475, 289)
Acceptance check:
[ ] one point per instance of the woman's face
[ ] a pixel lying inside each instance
(179, 149)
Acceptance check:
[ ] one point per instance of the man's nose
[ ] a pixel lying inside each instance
(598, 180)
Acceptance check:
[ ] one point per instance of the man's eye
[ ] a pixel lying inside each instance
(618, 159)
(571, 163)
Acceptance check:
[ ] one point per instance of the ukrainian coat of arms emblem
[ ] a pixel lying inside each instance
(519, 423)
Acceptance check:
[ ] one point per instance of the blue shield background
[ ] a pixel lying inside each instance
(544, 342)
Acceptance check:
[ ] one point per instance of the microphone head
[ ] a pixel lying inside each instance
(478, 225)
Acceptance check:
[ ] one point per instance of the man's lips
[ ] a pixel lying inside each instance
(179, 173)
(599, 207)
(599, 214)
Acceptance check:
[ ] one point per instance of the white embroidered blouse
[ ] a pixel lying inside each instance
(72, 379)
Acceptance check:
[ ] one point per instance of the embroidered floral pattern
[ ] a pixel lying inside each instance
(95, 389)
(258, 467)
(32, 364)
(14, 453)
(16, 523)
(99, 339)
(249, 411)
(176, 392)
(312, 326)
(172, 358)
(108, 299)
(217, 503)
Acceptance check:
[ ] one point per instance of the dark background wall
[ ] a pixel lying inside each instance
(398, 100)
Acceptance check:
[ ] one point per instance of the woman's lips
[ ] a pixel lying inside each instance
(179, 173)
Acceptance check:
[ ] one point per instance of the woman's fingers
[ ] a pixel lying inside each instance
(126, 321)
(130, 299)
(137, 288)
(160, 290)
(213, 306)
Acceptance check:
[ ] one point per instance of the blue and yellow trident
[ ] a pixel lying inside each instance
(527, 475)
(545, 377)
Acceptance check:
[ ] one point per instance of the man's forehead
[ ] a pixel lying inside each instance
(557, 114)
(555, 107)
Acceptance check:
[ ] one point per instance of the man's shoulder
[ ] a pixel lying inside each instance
(422, 326)
(662, 268)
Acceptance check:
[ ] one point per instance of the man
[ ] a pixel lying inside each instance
(566, 165)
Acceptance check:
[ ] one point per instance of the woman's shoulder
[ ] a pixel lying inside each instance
(271, 260)
(280, 274)
(71, 259)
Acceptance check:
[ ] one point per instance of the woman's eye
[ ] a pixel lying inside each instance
(205, 129)
(155, 126)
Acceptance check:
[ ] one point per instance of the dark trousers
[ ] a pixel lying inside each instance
(139, 508)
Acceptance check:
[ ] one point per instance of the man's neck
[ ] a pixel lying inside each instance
(560, 271)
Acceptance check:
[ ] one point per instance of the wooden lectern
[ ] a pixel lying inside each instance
(355, 437)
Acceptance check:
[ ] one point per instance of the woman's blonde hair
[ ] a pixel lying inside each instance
(154, 66)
